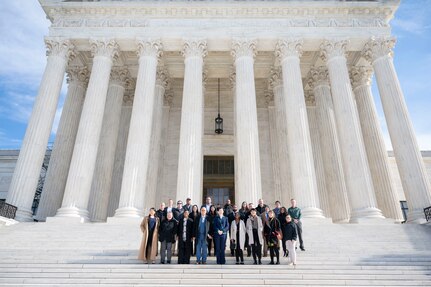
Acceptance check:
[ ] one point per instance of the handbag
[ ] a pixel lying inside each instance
(232, 244)
(278, 234)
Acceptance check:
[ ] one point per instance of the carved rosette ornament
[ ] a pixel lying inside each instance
(105, 48)
(361, 76)
(60, 47)
(378, 47)
(162, 77)
(120, 76)
(275, 78)
(333, 48)
(288, 48)
(243, 48)
(194, 48)
(318, 76)
(149, 48)
(78, 74)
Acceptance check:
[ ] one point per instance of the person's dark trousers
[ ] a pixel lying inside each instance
(220, 245)
(299, 231)
(256, 247)
(184, 252)
(239, 254)
(209, 242)
(273, 251)
(247, 245)
(283, 245)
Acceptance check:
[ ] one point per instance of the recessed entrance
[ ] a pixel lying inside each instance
(219, 179)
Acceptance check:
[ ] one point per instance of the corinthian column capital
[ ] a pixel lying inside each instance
(78, 74)
(162, 77)
(194, 48)
(333, 48)
(288, 48)
(148, 47)
(105, 47)
(60, 47)
(275, 78)
(318, 76)
(243, 48)
(360, 76)
(378, 47)
(120, 76)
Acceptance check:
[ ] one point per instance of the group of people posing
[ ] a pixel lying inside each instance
(192, 231)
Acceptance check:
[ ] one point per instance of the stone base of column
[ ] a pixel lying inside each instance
(368, 215)
(24, 215)
(414, 216)
(128, 212)
(74, 213)
(342, 221)
(312, 212)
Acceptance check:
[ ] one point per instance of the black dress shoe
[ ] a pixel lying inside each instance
(302, 248)
(260, 262)
(271, 263)
(278, 263)
(255, 263)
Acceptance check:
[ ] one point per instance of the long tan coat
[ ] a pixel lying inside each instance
(145, 231)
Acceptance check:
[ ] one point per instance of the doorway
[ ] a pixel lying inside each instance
(219, 179)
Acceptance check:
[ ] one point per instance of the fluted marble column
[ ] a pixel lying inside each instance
(410, 164)
(120, 152)
(273, 132)
(304, 186)
(317, 154)
(276, 84)
(27, 170)
(249, 186)
(78, 185)
(334, 177)
(136, 164)
(153, 173)
(190, 160)
(102, 179)
(357, 174)
(386, 195)
(55, 180)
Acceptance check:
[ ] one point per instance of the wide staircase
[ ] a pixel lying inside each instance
(104, 254)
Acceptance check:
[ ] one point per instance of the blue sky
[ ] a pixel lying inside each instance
(23, 26)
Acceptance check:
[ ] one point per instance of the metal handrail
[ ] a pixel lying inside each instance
(7, 210)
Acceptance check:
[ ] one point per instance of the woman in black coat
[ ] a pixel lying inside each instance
(272, 229)
(282, 218)
(289, 237)
(211, 215)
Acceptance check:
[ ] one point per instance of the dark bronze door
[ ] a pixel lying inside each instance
(219, 179)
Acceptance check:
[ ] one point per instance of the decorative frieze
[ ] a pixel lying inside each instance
(120, 76)
(162, 77)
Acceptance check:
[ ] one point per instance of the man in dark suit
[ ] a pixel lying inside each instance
(185, 233)
(202, 232)
(188, 205)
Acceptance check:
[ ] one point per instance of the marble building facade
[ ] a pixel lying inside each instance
(299, 116)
